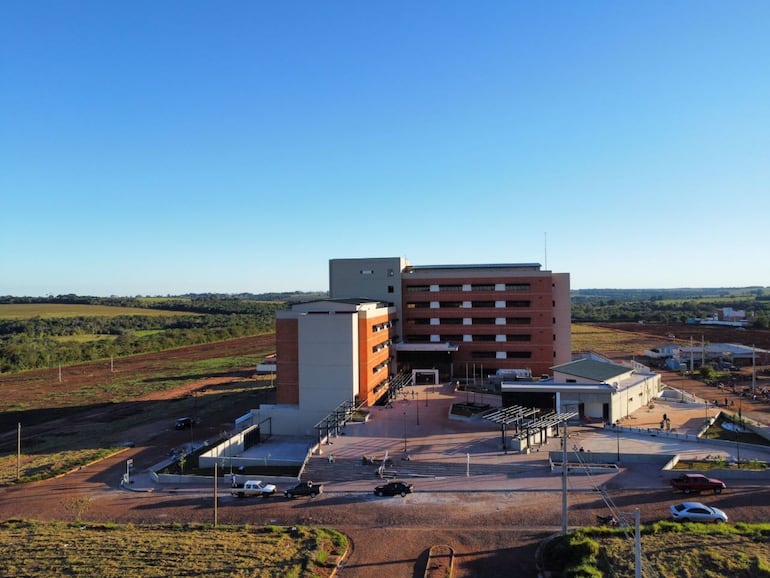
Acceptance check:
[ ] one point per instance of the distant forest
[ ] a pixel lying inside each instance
(668, 305)
(42, 341)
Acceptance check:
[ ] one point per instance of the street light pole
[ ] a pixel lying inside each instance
(404, 432)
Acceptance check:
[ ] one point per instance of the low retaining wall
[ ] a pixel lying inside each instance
(583, 468)
(758, 476)
(608, 458)
(224, 480)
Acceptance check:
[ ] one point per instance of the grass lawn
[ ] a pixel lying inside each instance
(14, 311)
(32, 549)
(587, 337)
(669, 549)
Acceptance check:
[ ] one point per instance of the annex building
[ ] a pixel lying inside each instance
(594, 389)
(386, 318)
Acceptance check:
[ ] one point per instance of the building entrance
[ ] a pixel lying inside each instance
(423, 376)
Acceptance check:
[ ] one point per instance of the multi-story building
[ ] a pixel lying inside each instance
(385, 316)
(339, 349)
(467, 319)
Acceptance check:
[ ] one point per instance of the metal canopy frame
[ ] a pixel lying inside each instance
(518, 415)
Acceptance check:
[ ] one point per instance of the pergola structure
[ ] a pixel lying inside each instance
(526, 421)
(506, 416)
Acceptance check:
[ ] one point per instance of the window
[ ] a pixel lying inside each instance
(451, 321)
(380, 346)
(483, 287)
(518, 337)
(390, 289)
(419, 339)
(519, 354)
(518, 303)
(480, 304)
(450, 304)
(450, 287)
(484, 337)
(519, 321)
(417, 288)
(380, 326)
(483, 320)
(418, 305)
(483, 355)
(451, 337)
(517, 286)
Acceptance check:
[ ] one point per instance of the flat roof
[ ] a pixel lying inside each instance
(475, 266)
(553, 387)
(593, 369)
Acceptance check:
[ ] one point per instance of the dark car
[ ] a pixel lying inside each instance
(394, 488)
(184, 423)
(304, 489)
(694, 483)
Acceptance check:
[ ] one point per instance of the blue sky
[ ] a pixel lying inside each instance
(152, 148)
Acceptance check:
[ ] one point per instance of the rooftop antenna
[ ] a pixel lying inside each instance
(545, 249)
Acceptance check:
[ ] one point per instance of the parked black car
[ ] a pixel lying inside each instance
(304, 489)
(394, 488)
(184, 423)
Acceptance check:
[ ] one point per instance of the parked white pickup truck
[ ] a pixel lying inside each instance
(253, 488)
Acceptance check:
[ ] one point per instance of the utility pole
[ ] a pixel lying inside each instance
(405, 432)
(564, 481)
(637, 545)
(18, 452)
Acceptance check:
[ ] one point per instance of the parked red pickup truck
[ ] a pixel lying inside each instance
(690, 483)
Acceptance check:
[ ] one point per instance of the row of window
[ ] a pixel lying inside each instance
(456, 338)
(473, 304)
(472, 320)
(505, 355)
(383, 365)
(381, 326)
(488, 338)
(471, 287)
(381, 385)
(380, 346)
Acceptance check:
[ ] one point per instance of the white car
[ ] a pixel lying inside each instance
(697, 512)
(253, 488)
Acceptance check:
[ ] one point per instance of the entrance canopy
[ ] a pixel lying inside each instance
(433, 372)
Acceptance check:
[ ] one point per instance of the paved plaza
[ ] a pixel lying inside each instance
(449, 453)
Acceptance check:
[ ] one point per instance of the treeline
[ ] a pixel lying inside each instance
(219, 301)
(38, 343)
(668, 305)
